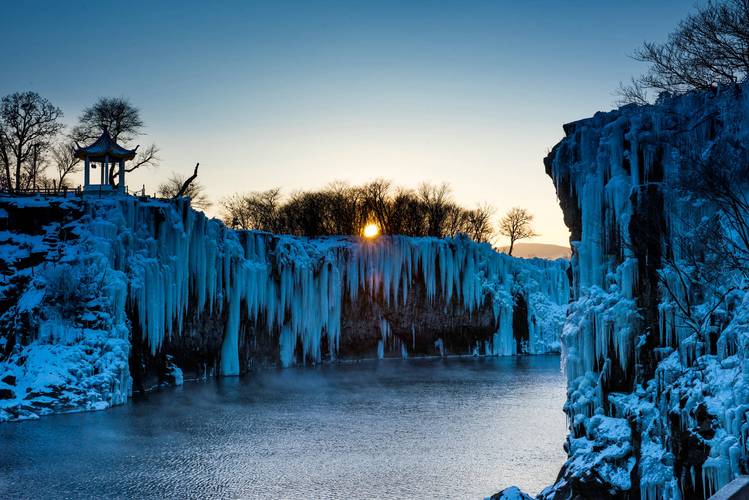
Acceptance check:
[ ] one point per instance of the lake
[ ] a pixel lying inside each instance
(424, 428)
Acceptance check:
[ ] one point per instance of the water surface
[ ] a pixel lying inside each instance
(433, 428)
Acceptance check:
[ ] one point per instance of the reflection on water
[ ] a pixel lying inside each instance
(456, 428)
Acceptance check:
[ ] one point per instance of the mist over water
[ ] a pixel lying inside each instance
(430, 428)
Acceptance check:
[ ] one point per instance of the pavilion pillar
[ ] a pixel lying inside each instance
(86, 172)
(109, 156)
(122, 175)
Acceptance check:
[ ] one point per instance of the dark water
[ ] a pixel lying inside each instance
(456, 428)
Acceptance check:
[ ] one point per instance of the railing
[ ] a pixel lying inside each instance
(43, 191)
(79, 191)
(738, 489)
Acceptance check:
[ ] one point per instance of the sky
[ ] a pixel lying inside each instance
(297, 94)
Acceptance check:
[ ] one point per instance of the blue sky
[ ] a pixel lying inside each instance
(298, 94)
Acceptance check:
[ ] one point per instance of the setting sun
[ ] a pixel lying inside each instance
(371, 230)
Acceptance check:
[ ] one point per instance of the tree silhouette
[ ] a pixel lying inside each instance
(343, 209)
(123, 122)
(178, 185)
(28, 123)
(708, 48)
(65, 161)
(116, 114)
(517, 225)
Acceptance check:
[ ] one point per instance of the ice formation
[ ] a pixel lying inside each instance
(156, 279)
(657, 402)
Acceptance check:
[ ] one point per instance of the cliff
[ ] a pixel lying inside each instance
(655, 343)
(103, 297)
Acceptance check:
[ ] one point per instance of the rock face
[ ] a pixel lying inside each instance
(103, 297)
(512, 493)
(654, 346)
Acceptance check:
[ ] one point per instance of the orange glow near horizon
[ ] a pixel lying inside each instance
(371, 230)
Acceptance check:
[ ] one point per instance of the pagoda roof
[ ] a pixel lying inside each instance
(105, 146)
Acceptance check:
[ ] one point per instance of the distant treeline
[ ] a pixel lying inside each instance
(343, 209)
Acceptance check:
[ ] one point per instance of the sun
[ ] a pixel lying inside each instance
(371, 230)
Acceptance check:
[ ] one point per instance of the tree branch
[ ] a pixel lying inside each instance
(188, 181)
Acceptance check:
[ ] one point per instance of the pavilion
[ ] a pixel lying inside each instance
(105, 152)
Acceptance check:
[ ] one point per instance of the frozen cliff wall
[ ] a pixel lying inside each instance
(103, 296)
(655, 343)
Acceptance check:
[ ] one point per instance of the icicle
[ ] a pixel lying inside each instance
(384, 336)
(440, 346)
(186, 264)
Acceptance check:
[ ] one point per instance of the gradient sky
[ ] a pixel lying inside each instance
(298, 94)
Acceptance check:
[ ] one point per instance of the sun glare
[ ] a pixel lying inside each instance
(371, 230)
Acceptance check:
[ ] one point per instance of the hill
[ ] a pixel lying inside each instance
(541, 250)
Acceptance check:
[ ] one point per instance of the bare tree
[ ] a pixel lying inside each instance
(376, 197)
(32, 174)
(632, 93)
(234, 213)
(47, 183)
(407, 214)
(454, 221)
(479, 223)
(178, 185)
(185, 187)
(304, 214)
(707, 260)
(6, 157)
(341, 209)
(256, 210)
(148, 156)
(344, 207)
(437, 201)
(65, 161)
(517, 224)
(695, 279)
(28, 124)
(708, 48)
(123, 122)
(116, 114)
(721, 176)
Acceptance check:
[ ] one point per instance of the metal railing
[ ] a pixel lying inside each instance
(43, 191)
(97, 190)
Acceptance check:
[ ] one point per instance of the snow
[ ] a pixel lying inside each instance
(607, 170)
(91, 374)
(31, 299)
(305, 302)
(512, 493)
(146, 268)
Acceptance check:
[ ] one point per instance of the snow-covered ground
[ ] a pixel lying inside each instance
(105, 276)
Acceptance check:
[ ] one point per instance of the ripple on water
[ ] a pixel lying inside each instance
(457, 428)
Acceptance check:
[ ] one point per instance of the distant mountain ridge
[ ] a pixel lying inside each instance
(540, 250)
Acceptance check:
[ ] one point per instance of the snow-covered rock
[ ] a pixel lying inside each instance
(657, 402)
(511, 493)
